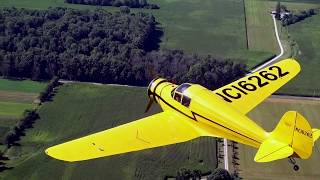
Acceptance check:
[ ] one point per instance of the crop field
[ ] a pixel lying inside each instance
(268, 115)
(260, 27)
(215, 27)
(15, 97)
(298, 1)
(81, 109)
(203, 26)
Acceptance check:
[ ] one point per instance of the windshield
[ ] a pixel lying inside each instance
(183, 87)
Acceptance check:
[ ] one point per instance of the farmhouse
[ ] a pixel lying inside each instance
(282, 14)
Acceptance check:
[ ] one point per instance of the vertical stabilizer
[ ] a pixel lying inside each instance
(293, 134)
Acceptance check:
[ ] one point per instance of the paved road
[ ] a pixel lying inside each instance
(225, 142)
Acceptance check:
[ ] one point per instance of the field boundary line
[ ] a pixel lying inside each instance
(245, 22)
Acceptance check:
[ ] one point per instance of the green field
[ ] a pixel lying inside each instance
(305, 42)
(202, 26)
(307, 36)
(15, 97)
(26, 86)
(260, 27)
(300, 41)
(81, 109)
(268, 115)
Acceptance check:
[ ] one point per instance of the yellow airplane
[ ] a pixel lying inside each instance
(191, 111)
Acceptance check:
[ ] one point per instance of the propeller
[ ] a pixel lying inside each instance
(152, 73)
(149, 104)
(150, 95)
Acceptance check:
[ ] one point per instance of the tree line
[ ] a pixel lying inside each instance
(289, 19)
(14, 135)
(30, 115)
(98, 46)
(216, 174)
(117, 3)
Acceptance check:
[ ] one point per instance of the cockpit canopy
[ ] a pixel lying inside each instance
(179, 95)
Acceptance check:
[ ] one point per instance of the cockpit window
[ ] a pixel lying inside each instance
(186, 101)
(179, 95)
(183, 87)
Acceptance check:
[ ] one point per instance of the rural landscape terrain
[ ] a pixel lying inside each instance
(106, 52)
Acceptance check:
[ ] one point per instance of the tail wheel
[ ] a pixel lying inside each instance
(296, 168)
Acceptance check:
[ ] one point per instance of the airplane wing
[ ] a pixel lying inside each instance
(153, 131)
(249, 91)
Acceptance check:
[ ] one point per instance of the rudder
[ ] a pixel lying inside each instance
(316, 134)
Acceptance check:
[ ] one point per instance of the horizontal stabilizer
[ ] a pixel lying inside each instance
(271, 150)
(316, 134)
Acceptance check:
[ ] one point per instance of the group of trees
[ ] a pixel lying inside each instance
(72, 44)
(293, 18)
(117, 3)
(98, 47)
(286, 17)
(180, 67)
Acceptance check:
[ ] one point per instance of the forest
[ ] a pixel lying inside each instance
(98, 46)
(117, 3)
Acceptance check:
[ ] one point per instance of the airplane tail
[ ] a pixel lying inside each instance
(293, 137)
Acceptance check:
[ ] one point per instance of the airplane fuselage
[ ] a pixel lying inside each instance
(210, 113)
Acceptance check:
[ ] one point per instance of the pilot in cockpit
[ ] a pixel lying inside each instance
(179, 95)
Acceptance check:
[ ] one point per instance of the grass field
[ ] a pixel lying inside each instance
(203, 26)
(305, 37)
(26, 86)
(298, 1)
(215, 27)
(80, 109)
(306, 34)
(268, 115)
(12, 109)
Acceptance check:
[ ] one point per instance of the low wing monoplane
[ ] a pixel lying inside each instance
(191, 111)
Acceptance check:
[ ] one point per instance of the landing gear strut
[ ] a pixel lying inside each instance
(294, 163)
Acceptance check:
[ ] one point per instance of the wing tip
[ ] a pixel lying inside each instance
(51, 152)
(293, 62)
